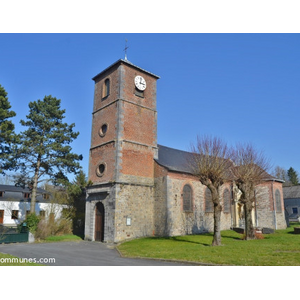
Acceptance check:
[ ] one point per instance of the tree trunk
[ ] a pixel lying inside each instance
(34, 186)
(217, 225)
(249, 228)
(217, 215)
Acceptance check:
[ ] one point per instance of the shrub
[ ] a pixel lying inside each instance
(54, 227)
(258, 236)
(32, 221)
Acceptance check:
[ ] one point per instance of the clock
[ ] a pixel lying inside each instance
(140, 83)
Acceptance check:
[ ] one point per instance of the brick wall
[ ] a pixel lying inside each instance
(104, 154)
(129, 145)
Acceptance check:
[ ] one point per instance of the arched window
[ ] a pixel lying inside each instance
(226, 199)
(278, 201)
(106, 88)
(187, 198)
(208, 201)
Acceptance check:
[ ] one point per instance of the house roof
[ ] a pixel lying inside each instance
(14, 193)
(12, 188)
(291, 192)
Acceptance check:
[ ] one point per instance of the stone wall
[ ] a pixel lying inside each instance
(134, 211)
(106, 195)
(170, 218)
(266, 213)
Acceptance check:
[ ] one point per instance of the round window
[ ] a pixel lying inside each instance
(103, 130)
(101, 169)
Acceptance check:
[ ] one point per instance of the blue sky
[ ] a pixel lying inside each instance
(240, 87)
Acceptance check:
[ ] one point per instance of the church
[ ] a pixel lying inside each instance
(141, 188)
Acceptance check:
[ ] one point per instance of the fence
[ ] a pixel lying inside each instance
(12, 236)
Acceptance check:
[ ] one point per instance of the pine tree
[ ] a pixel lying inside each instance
(293, 176)
(77, 195)
(7, 135)
(45, 150)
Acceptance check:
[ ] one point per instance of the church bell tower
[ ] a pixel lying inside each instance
(123, 148)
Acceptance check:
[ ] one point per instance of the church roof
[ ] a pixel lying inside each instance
(125, 61)
(173, 159)
(177, 161)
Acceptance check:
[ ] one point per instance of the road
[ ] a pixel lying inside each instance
(81, 253)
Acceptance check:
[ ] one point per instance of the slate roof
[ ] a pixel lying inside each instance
(173, 159)
(15, 193)
(12, 188)
(291, 192)
(177, 160)
(128, 63)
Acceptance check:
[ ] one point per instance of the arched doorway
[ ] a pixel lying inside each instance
(99, 222)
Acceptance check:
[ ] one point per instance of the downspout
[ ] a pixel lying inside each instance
(275, 220)
(255, 209)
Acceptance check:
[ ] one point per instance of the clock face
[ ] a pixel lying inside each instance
(140, 83)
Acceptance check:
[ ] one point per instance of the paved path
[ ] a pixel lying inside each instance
(81, 253)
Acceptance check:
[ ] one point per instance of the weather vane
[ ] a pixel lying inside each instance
(125, 49)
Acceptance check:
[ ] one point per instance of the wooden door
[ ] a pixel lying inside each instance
(99, 222)
(1, 216)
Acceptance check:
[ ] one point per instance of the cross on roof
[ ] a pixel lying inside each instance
(125, 49)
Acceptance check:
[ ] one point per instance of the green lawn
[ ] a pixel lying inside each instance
(62, 238)
(279, 249)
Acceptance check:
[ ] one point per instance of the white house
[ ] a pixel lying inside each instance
(15, 205)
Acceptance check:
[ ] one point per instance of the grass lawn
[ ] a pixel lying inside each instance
(62, 238)
(279, 249)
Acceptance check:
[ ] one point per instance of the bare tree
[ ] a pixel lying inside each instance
(249, 171)
(280, 173)
(211, 165)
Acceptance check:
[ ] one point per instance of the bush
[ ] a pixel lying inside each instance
(32, 221)
(258, 236)
(50, 228)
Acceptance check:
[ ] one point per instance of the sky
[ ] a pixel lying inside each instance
(240, 87)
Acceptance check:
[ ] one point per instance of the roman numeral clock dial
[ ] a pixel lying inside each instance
(140, 83)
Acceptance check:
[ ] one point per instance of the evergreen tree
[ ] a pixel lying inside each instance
(45, 149)
(77, 195)
(293, 176)
(7, 135)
